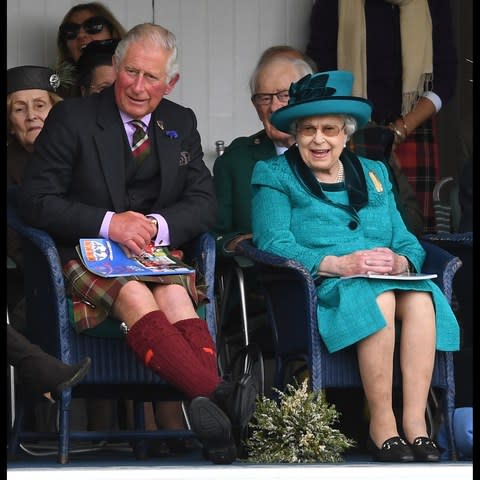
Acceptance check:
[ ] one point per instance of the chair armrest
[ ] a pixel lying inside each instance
(460, 237)
(290, 296)
(443, 263)
(39, 237)
(247, 249)
(44, 286)
(201, 253)
(276, 264)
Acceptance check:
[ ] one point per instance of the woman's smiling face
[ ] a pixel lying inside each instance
(321, 140)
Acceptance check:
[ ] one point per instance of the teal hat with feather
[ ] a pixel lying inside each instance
(323, 93)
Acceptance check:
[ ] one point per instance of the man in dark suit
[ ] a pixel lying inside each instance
(95, 173)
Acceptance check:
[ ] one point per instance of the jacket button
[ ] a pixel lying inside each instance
(352, 225)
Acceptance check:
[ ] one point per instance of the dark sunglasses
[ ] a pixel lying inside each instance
(93, 25)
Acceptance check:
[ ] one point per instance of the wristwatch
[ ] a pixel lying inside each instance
(154, 221)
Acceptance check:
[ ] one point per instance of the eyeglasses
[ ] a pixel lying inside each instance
(93, 25)
(267, 98)
(327, 130)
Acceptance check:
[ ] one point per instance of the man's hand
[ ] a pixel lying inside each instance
(132, 229)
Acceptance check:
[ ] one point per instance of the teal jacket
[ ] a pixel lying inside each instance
(232, 173)
(294, 217)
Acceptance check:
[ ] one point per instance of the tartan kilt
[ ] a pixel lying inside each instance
(92, 296)
(419, 158)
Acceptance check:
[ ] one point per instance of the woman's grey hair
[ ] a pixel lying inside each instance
(155, 35)
(350, 125)
(349, 121)
(303, 67)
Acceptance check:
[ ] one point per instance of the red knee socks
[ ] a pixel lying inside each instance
(164, 348)
(195, 332)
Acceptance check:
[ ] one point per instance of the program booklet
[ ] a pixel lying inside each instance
(106, 258)
(399, 276)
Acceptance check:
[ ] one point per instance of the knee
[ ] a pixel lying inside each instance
(172, 294)
(413, 301)
(133, 296)
(133, 288)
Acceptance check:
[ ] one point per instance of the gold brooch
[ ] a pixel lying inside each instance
(376, 182)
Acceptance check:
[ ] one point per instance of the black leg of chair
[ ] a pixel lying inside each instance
(64, 404)
(14, 440)
(140, 448)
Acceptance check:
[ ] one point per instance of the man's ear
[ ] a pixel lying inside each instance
(171, 84)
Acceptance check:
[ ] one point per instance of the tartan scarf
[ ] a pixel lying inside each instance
(417, 52)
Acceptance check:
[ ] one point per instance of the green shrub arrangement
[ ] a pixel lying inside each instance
(298, 428)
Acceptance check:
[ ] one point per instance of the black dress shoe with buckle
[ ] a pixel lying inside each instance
(425, 450)
(394, 449)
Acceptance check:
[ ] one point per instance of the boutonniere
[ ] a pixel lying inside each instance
(167, 133)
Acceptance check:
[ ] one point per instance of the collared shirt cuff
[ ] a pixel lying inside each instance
(163, 234)
(106, 224)
(435, 99)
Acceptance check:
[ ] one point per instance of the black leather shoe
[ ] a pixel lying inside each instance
(237, 399)
(214, 430)
(425, 450)
(394, 449)
(77, 373)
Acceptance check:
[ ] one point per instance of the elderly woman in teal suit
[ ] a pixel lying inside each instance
(335, 213)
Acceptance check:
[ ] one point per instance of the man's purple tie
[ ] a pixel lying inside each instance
(141, 142)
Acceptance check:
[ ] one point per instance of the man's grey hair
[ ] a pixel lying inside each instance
(303, 68)
(154, 35)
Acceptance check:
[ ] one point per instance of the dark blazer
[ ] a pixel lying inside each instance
(78, 172)
(232, 173)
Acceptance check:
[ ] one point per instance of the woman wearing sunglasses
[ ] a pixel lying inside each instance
(83, 23)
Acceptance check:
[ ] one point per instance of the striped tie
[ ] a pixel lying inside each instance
(141, 142)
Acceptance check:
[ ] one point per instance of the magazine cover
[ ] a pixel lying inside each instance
(106, 258)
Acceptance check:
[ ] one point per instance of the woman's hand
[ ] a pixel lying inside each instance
(381, 261)
(377, 260)
(400, 264)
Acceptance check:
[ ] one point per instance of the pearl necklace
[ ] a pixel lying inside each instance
(340, 175)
